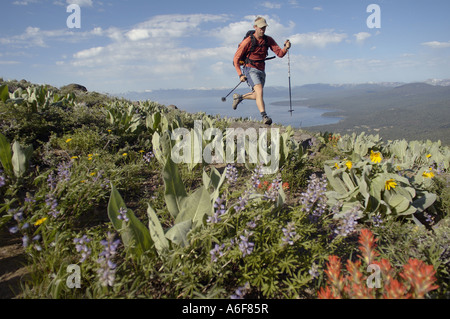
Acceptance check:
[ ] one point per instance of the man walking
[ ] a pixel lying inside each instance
(253, 52)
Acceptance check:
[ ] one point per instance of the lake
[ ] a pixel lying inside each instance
(302, 116)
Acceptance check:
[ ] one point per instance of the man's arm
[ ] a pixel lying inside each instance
(276, 49)
(241, 51)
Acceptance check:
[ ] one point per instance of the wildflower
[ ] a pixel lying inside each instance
(25, 241)
(285, 186)
(40, 221)
(243, 200)
(148, 157)
(109, 131)
(93, 173)
(64, 173)
(428, 155)
(314, 271)
(348, 222)
(377, 220)
(219, 210)
(68, 140)
(14, 229)
(390, 183)
(2, 179)
(272, 190)
(257, 174)
(368, 245)
(124, 154)
(107, 270)
(245, 246)
(314, 201)
(289, 234)
(231, 174)
(375, 157)
(429, 174)
(336, 165)
(217, 250)
(53, 204)
(241, 291)
(123, 214)
(349, 164)
(74, 157)
(81, 246)
(420, 276)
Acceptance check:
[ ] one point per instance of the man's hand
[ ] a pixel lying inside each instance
(287, 44)
(243, 78)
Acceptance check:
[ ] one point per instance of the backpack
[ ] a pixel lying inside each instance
(247, 60)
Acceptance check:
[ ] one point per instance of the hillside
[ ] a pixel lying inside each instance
(101, 199)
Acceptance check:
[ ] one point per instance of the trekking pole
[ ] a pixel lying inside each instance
(225, 97)
(290, 93)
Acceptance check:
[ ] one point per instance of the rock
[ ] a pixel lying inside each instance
(74, 88)
(172, 107)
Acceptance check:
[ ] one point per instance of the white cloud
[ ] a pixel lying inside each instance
(89, 53)
(318, 9)
(81, 3)
(271, 5)
(317, 39)
(362, 36)
(437, 44)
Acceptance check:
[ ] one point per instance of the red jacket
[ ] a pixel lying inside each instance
(260, 53)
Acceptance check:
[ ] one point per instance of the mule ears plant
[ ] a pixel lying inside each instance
(135, 236)
(14, 162)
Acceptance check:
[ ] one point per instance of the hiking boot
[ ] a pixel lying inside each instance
(237, 98)
(267, 120)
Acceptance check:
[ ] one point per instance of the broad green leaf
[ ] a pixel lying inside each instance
(6, 155)
(20, 159)
(4, 93)
(174, 192)
(178, 233)
(195, 207)
(156, 230)
(135, 235)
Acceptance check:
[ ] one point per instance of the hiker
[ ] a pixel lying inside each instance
(253, 58)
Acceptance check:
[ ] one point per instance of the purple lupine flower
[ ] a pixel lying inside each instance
(231, 174)
(271, 193)
(123, 214)
(377, 220)
(216, 252)
(148, 157)
(81, 246)
(256, 176)
(241, 291)
(348, 222)
(107, 270)
(314, 201)
(220, 210)
(2, 179)
(243, 200)
(64, 171)
(245, 246)
(52, 203)
(314, 271)
(51, 181)
(289, 234)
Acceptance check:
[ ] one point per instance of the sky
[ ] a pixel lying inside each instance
(131, 45)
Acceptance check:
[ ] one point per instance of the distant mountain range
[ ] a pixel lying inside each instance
(304, 91)
(395, 110)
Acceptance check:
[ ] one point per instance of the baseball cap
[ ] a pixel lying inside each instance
(261, 22)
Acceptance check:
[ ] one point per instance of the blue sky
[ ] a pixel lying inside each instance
(149, 45)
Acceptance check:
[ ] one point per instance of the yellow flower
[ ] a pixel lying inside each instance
(68, 140)
(90, 155)
(375, 157)
(93, 173)
(124, 154)
(336, 165)
(40, 221)
(83, 181)
(74, 157)
(429, 155)
(109, 131)
(141, 151)
(390, 183)
(429, 174)
(349, 164)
